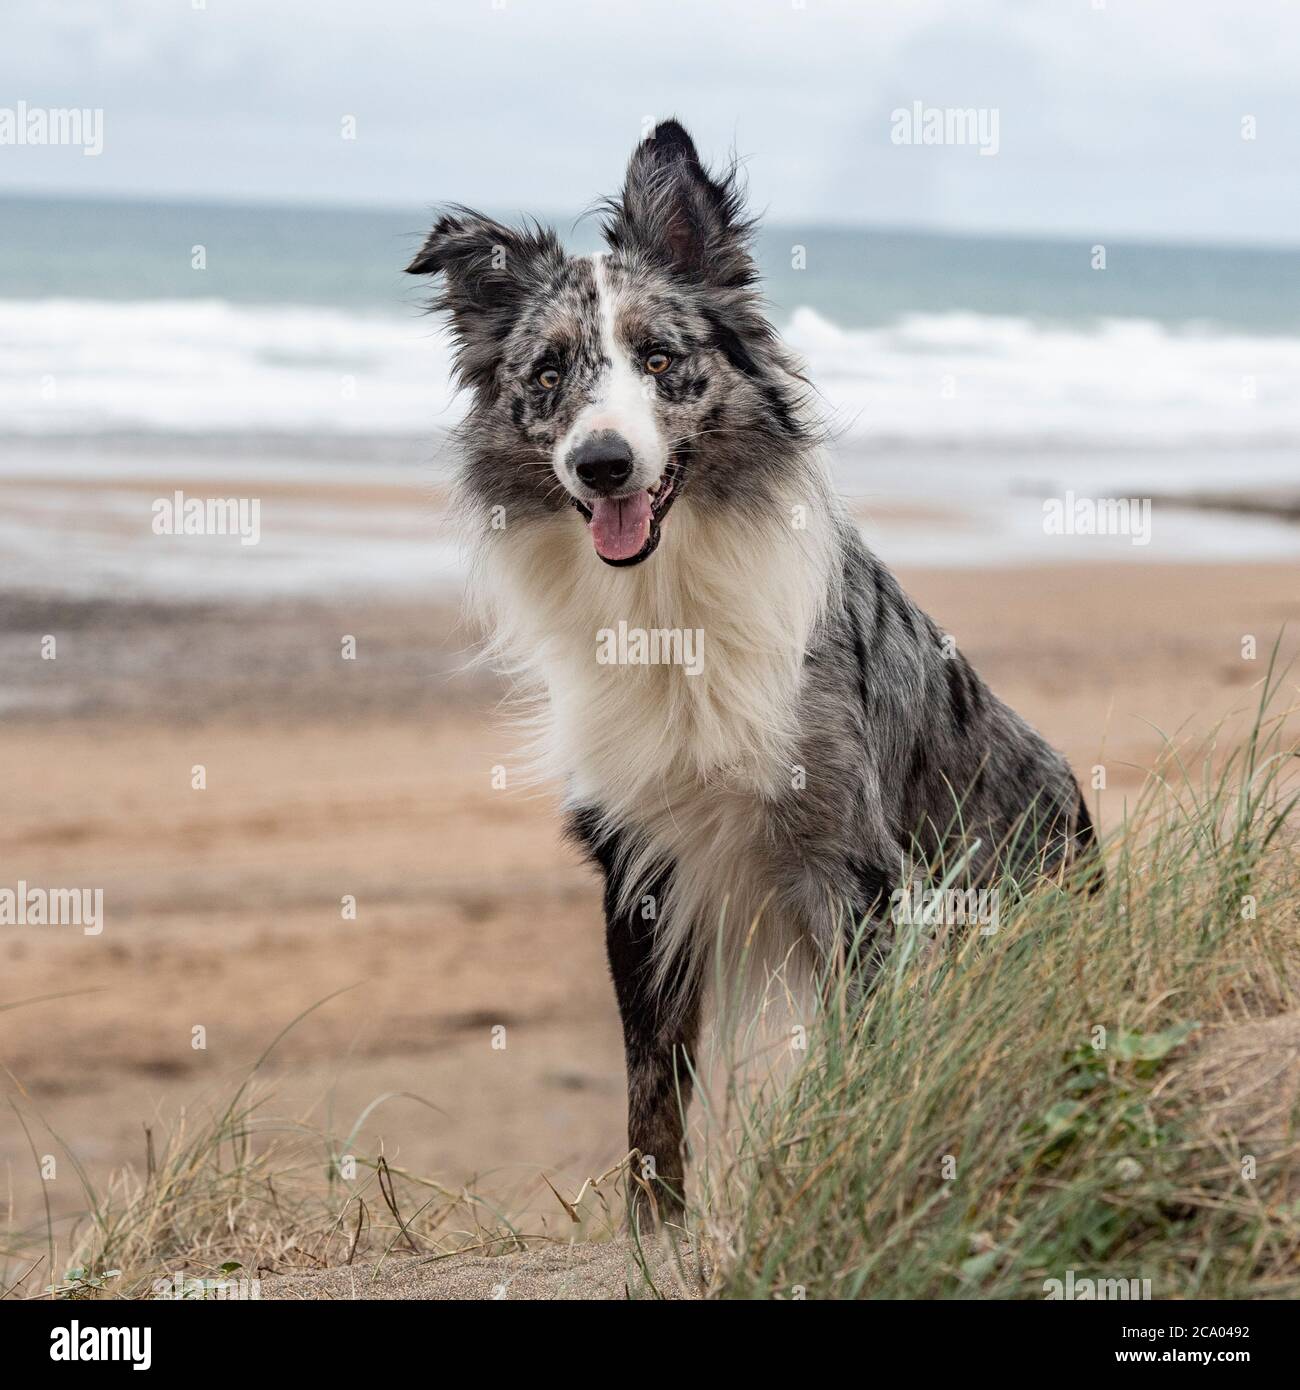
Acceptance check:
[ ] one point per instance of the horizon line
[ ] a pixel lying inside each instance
(926, 229)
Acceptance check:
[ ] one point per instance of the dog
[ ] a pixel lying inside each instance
(641, 456)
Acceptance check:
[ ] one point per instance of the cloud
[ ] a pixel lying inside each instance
(1119, 119)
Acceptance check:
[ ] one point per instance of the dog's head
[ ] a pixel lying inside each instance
(615, 384)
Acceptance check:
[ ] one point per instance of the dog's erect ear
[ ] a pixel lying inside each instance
(489, 270)
(672, 210)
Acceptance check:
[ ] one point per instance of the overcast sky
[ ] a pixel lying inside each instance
(1114, 116)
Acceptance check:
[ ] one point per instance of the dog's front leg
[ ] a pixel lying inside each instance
(659, 1035)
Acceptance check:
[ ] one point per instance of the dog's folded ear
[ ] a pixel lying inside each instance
(485, 262)
(674, 211)
(489, 270)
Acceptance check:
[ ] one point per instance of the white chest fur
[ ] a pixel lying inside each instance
(682, 749)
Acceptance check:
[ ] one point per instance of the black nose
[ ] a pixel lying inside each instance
(603, 461)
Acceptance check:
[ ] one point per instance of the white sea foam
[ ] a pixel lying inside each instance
(984, 380)
(928, 381)
(203, 366)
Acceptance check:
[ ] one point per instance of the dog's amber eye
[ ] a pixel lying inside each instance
(549, 379)
(657, 363)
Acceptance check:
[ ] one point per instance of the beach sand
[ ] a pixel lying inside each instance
(375, 779)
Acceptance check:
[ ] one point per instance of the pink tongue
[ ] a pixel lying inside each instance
(620, 526)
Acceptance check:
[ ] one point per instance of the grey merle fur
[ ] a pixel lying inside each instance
(915, 758)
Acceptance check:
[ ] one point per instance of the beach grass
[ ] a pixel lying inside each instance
(229, 1192)
(1061, 1099)
(1008, 1114)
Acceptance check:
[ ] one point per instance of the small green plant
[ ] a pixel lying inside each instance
(1103, 1099)
(80, 1283)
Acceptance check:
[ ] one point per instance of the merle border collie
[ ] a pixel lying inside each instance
(641, 450)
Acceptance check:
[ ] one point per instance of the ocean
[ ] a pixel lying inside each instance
(302, 322)
(192, 338)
